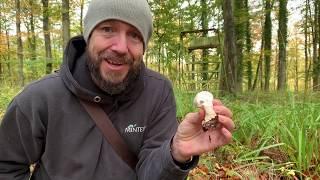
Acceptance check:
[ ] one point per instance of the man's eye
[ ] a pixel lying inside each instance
(135, 36)
(107, 29)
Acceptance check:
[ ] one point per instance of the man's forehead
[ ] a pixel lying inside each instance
(115, 22)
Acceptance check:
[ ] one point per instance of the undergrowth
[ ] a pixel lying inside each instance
(277, 135)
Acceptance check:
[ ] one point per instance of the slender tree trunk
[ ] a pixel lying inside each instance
(306, 45)
(229, 70)
(1, 57)
(193, 69)
(248, 44)
(32, 29)
(159, 58)
(240, 28)
(315, 40)
(296, 65)
(46, 32)
(282, 38)
(267, 33)
(317, 66)
(259, 67)
(81, 15)
(65, 22)
(19, 43)
(8, 53)
(205, 53)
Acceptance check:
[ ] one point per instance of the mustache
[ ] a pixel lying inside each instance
(115, 57)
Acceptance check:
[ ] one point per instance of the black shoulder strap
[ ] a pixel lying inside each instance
(110, 133)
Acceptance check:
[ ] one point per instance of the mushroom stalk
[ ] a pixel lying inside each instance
(204, 99)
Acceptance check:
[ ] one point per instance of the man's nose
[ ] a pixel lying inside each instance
(120, 44)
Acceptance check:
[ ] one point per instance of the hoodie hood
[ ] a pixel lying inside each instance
(77, 78)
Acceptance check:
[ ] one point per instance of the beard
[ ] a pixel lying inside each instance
(113, 83)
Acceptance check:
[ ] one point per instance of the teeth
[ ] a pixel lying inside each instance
(114, 63)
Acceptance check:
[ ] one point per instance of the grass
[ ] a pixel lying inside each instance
(277, 135)
(6, 95)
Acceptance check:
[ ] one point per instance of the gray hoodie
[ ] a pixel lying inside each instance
(45, 124)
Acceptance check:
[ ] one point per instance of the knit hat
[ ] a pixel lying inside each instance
(134, 12)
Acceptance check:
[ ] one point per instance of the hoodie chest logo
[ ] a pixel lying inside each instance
(133, 128)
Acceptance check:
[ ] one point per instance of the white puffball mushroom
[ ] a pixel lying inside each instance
(204, 100)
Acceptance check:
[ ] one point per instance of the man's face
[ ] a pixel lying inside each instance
(115, 52)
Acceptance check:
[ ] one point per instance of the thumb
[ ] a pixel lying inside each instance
(201, 114)
(195, 117)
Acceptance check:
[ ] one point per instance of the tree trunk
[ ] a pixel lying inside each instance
(248, 44)
(32, 29)
(240, 29)
(296, 65)
(267, 33)
(282, 38)
(315, 40)
(229, 70)
(19, 43)
(65, 22)
(1, 57)
(46, 33)
(205, 53)
(259, 67)
(81, 15)
(306, 46)
(8, 53)
(317, 64)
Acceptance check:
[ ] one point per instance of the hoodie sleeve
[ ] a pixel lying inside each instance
(155, 160)
(18, 145)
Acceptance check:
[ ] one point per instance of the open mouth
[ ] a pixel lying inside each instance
(115, 63)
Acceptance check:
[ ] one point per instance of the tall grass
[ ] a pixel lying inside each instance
(6, 95)
(275, 130)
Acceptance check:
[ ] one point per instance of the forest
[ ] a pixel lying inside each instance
(260, 57)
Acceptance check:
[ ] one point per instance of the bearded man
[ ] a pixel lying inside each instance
(47, 125)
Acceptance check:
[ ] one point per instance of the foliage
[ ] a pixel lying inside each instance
(276, 133)
(184, 103)
(6, 95)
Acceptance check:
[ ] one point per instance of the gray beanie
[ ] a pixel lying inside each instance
(134, 12)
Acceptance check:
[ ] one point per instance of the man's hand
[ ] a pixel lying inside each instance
(190, 138)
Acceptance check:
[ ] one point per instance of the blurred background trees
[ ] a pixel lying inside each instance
(230, 46)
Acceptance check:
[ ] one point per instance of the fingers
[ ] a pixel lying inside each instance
(224, 114)
(219, 137)
(219, 108)
(195, 117)
(226, 122)
(201, 114)
(216, 102)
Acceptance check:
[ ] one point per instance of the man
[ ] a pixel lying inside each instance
(46, 124)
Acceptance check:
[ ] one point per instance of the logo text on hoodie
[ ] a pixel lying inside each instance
(133, 128)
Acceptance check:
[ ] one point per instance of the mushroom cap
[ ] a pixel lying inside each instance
(203, 97)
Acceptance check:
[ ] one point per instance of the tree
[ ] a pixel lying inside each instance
(32, 39)
(19, 43)
(267, 33)
(240, 29)
(6, 23)
(205, 53)
(46, 33)
(316, 43)
(65, 22)
(306, 44)
(248, 44)
(282, 39)
(81, 15)
(229, 70)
